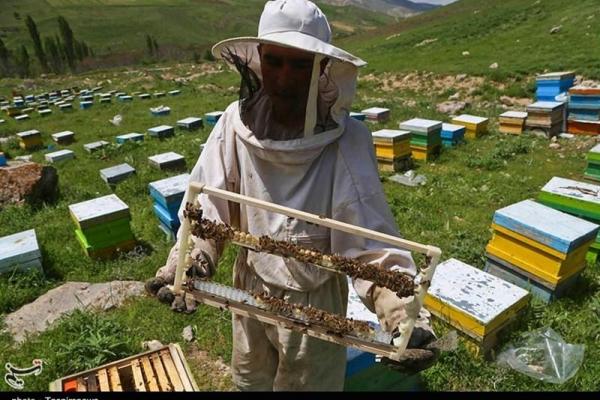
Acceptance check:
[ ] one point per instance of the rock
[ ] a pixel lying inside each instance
(466, 53)
(455, 96)
(152, 345)
(426, 42)
(566, 136)
(409, 178)
(37, 316)
(555, 29)
(28, 182)
(178, 304)
(451, 107)
(188, 334)
(554, 139)
(461, 77)
(506, 100)
(494, 66)
(554, 146)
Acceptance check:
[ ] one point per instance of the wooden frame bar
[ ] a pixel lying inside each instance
(422, 280)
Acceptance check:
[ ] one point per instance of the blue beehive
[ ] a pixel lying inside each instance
(167, 195)
(552, 84)
(452, 135)
(2, 159)
(161, 131)
(84, 105)
(213, 117)
(584, 103)
(190, 123)
(357, 115)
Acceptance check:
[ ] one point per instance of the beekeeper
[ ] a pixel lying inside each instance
(289, 140)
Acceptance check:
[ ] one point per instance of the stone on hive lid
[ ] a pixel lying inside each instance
(91, 147)
(60, 155)
(99, 210)
(117, 173)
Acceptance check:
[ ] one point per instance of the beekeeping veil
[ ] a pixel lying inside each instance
(297, 24)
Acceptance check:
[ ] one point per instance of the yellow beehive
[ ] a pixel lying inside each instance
(424, 153)
(475, 126)
(391, 144)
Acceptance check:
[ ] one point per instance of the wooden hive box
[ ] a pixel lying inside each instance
(98, 211)
(544, 290)
(212, 118)
(169, 192)
(425, 153)
(512, 122)
(44, 112)
(95, 146)
(160, 111)
(592, 170)
(84, 105)
(545, 242)
(117, 173)
(20, 249)
(451, 132)
(2, 159)
(161, 131)
(391, 144)
(581, 127)
(573, 197)
(169, 160)
(130, 137)
(60, 155)
(357, 116)
(65, 107)
(144, 96)
(159, 94)
(162, 370)
(475, 126)
(174, 92)
(378, 114)
(30, 139)
(190, 123)
(105, 100)
(22, 117)
(478, 304)
(63, 137)
(125, 98)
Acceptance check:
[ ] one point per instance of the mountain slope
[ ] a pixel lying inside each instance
(121, 25)
(513, 33)
(396, 8)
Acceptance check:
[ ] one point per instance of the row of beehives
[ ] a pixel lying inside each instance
(422, 139)
(21, 107)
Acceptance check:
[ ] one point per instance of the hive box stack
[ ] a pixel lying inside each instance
(460, 295)
(539, 248)
(584, 111)
(377, 114)
(551, 85)
(512, 122)
(167, 195)
(426, 140)
(29, 140)
(392, 149)
(576, 198)
(212, 118)
(20, 251)
(546, 116)
(475, 126)
(103, 226)
(452, 135)
(592, 170)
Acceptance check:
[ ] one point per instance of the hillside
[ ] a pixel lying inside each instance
(513, 33)
(396, 8)
(121, 25)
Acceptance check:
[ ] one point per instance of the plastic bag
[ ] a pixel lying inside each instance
(544, 355)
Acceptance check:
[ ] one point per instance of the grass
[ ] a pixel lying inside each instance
(453, 211)
(513, 33)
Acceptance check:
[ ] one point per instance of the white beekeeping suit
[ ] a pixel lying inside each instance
(327, 168)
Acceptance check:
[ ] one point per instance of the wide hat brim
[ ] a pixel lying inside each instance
(293, 39)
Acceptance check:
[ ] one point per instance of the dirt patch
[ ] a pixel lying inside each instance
(29, 182)
(210, 374)
(342, 26)
(426, 81)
